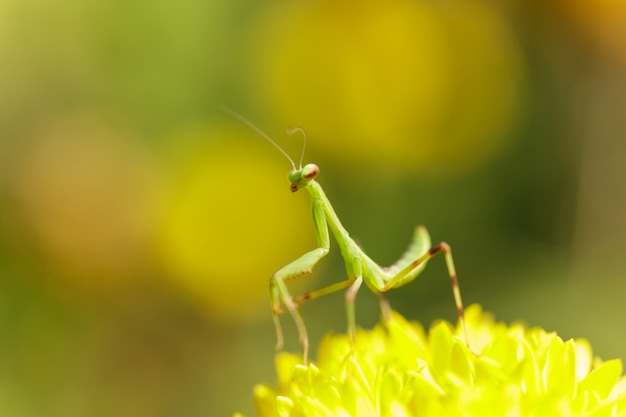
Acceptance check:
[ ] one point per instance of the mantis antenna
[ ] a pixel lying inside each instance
(291, 131)
(260, 132)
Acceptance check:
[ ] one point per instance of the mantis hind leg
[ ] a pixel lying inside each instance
(456, 291)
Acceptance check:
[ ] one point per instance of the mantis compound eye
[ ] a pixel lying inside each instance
(310, 171)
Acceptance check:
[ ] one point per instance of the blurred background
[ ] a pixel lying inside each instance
(139, 227)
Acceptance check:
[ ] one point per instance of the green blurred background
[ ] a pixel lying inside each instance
(139, 227)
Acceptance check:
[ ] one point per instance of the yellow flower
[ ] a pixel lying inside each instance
(397, 369)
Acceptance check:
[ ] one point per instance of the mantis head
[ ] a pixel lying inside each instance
(300, 178)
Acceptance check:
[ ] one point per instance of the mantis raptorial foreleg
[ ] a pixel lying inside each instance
(300, 267)
(280, 294)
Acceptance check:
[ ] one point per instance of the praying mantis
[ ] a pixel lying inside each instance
(359, 266)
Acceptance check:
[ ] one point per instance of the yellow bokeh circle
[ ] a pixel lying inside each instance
(232, 220)
(406, 83)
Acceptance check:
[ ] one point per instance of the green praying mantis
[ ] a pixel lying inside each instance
(359, 267)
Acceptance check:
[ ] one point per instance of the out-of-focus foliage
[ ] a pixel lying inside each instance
(139, 226)
(89, 196)
(602, 22)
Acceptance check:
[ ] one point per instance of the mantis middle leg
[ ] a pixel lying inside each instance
(352, 286)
